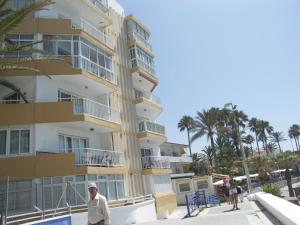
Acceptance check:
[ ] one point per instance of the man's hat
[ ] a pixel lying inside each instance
(92, 185)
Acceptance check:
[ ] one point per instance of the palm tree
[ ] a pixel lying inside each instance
(294, 132)
(287, 161)
(208, 155)
(264, 129)
(278, 137)
(253, 124)
(249, 140)
(205, 125)
(187, 123)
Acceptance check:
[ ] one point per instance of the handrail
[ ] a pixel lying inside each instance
(159, 162)
(135, 62)
(90, 29)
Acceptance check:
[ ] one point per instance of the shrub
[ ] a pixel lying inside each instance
(268, 188)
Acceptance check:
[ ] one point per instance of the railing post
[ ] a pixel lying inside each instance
(43, 200)
(187, 204)
(6, 202)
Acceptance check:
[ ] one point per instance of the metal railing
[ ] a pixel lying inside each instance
(90, 29)
(97, 157)
(94, 109)
(155, 162)
(100, 4)
(179, 159)
(151, 127)
(136, 36)
(80, 62)
(139, 63)
(147, 95)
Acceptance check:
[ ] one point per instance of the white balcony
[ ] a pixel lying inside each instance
(96, 33)
(137, 37)
(151, 127)
(80, 62)
(97, 157)
(179, 159)
(137, 63)
(147, 95)
(155, 162)
(100, 4)
(95, 109)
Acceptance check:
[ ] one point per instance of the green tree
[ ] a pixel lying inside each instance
(249, 140)
(262, 165)
(264, 129)
(253, 124)
(205, 125)
(187, 123)
(294, 132)
(278, 137)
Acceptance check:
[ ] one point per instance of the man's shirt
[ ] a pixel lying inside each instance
(98, 210)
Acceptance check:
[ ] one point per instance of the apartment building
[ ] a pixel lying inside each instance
(87, 111)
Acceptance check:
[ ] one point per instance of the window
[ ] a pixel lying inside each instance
(184, 187)
(111, 186)
(202, 184)
(138, 55)
(146, 152)
(19, 142)
(17, 4)
(3, 139)
(13, 98)
(20, 40)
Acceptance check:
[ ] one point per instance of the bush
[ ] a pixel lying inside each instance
(268, 188)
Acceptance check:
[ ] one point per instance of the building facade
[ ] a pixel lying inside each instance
(86, 111)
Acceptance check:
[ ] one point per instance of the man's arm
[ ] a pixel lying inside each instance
(106, 212)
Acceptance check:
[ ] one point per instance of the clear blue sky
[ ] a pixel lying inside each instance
(211, 52)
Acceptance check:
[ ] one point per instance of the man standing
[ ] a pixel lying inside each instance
(98, 211)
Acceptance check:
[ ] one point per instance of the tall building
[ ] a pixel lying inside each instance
(87, 111)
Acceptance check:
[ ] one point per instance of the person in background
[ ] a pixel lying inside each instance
(240, 192)
(233, 194)
(98, 211)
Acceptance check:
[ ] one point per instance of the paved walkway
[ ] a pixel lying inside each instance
(249, 214)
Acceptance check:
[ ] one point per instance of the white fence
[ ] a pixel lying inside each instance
(95, 109)
(147, 95)
(97, 157)
(151, 127)
(155, 162)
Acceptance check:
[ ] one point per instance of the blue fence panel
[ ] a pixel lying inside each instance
(194, 201)
(58, 221)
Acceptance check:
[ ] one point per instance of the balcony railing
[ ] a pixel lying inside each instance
(95, 109)
(99, 35)
(100, 4)
(147, 95)
(96, 157)
(151, 127)
(155, 162)
(143, 65)
(179, 159)
(80, 62)
(136, 36)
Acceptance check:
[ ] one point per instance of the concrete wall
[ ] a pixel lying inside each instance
(132, 214)
(287, 213)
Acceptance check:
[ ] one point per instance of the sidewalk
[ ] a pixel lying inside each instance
(249, 214)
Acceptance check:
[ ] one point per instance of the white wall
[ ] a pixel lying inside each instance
(47, 137)
(287, 213)
(132, 214)
(162, 184)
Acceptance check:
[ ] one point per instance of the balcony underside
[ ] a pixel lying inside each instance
(52, 112)
(146, 108)
(143, 79)
(156, 171)
(63, 69)
(50, 165)
(56, 27)
(150, 138)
